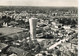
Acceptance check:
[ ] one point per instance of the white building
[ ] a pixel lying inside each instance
(33, 22)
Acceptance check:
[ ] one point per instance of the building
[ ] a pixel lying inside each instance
(33, 22)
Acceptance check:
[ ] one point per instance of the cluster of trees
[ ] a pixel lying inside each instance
(68, 21)
(6, 19)
(20, 23)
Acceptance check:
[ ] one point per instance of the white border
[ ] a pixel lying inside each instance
(78, 27)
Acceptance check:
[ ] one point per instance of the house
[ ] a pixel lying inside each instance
(18, 51)
(3, 47)
(5, 24)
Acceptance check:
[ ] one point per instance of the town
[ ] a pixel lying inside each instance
(56, 31)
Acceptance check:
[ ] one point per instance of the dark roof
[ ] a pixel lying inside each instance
(74, 41)
(1, 21)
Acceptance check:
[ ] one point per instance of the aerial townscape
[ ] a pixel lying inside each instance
(38, 31)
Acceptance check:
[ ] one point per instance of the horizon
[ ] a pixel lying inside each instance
(41, 6)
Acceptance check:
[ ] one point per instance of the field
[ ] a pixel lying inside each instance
(10, 30)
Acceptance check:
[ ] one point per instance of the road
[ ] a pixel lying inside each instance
(53, 46)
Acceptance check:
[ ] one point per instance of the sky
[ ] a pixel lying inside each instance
(57, 3)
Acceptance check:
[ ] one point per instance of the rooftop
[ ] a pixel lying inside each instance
(10, 30)
(2, 46)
